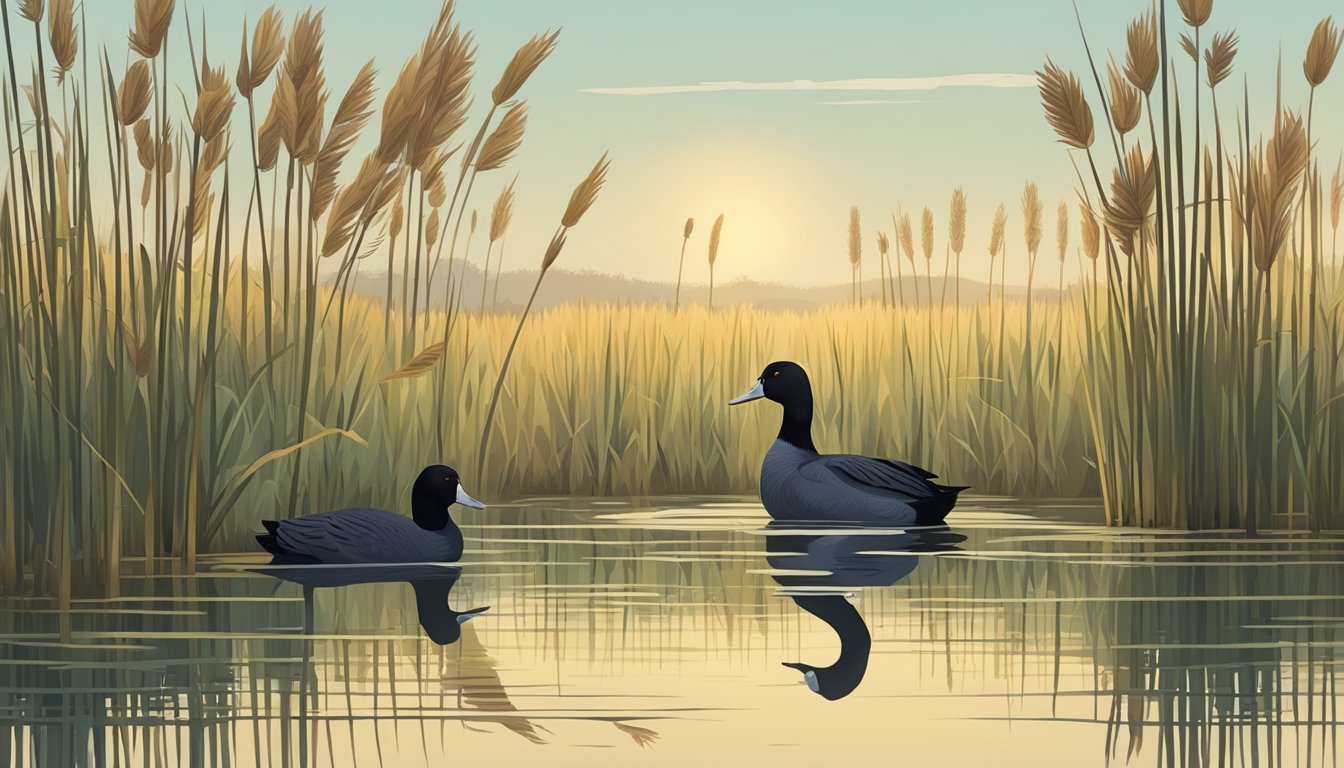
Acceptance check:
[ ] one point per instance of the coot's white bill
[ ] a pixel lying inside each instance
(465, 499)
(756, 393)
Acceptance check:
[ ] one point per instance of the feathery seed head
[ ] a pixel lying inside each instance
(1065, 106)
(503, 142)
(1321, 51)
(585, 193)
(133, 96)
(524, 62)
(1141, 58)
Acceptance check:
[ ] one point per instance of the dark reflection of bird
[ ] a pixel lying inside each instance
(432, 585)
(474, 673)
(839, 561)
(799, 484)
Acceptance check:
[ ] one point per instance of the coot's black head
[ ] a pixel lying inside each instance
(784, 382)
(443, 485)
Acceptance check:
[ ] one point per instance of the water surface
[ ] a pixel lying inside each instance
(661, 631)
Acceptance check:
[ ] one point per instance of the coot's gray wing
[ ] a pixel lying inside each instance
(893, 479)
(349, 536)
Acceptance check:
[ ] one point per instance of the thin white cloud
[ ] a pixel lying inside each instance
(888, 84)
(866, 102)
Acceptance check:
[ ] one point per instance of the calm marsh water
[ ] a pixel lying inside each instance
(618, 632)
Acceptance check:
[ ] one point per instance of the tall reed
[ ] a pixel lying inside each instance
(855, 249)
(681, 260)
(714, 235)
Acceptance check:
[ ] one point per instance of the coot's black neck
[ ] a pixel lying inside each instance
(842, 677)
(430, 513)
(796, 427)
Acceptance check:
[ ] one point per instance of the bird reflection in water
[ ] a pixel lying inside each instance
(816, 568)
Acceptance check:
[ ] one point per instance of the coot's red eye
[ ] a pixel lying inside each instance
(776, 373)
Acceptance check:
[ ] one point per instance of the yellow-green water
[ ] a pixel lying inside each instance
(656, 631)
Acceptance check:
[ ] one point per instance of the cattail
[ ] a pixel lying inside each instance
(524, 62)
(214, 103)
(152, 18)
(926, 234)
(351, 114)
(31, 10)
(956, 222)
(61, 35)
(1141, 58)
(1062, 230)
(586, 193)
(690, 225)
(1031, 218)
(1218, 59)
(855, 238)
(268, 43)
(1321, 52)
(502, 213)
(907, 236)
(133, 96)
(1065, 106)
(996, 230)
(1196, 12)
(504, 141)
(1132, 190)
(1126, 107)
(1091, 232)
(1276, 172)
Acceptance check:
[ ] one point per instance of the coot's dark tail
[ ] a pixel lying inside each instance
(932, 509)
(270, 542)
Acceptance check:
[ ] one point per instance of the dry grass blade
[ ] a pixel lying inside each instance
(1276, 171)
(556, 245)
(1126, 107)
(1066, 108)
(956, 222)
(1032, 210)
(1322, 51)
(419, 365)
(855, 237)
(152, 18)
(351, 114)
(32, 10)
(714, 233)
(1196, 12)
(1141, 57)
(926, 233)
(280, 453)
(1091, 232)
(61, 35)
(996, 230)
(524, 62)
(133, 95)
(503, 142)
(584, 194)
(502, 212)
(1132, 191)
(1218, 59)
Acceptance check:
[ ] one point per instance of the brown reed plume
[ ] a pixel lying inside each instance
(359, 202)
(1219, 57)
(1065, 106)
(715, 233)
(1133, 188)
(583, 197)
(268, 135)
(1126, 107)
(351, 115)
(447, 98)
(303, 89)
(1032, 209)
(152, 18)
(214, 103)
(681, 261)
(906, 234)
(133, 95)
(524, 62)
(61, 35)
(1276, 170)
(500, 215)
(855, 253)
(32, 10)
(1090, 231)
(956, 240)
(503, 142)
(1336, 196)
(1141, 55)
(1196, 12)
(1321, 52)
(883, 245)
(1062, 231)
(268, 44)
(926, 245)
(1188, 45)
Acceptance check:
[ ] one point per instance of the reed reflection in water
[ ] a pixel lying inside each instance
(657, 632)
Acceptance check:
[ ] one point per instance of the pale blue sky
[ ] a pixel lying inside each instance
(785, 165)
